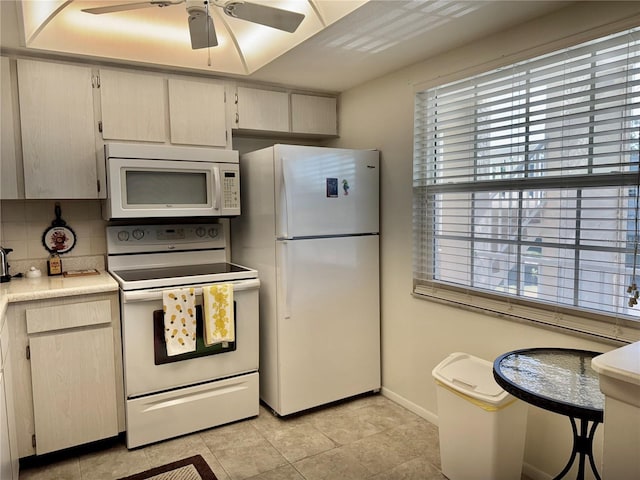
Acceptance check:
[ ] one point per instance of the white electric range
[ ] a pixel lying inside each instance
(167, 396)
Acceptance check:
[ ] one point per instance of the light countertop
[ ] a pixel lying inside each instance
(26, 289)
(621, 364)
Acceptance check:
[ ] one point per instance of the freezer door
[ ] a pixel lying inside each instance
(328, 320)
(326, 191)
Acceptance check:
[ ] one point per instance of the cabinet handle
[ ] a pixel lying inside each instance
(28, 352)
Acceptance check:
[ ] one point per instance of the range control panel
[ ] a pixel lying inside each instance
(158, 238)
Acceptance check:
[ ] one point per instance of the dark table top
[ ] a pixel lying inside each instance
(557, 379)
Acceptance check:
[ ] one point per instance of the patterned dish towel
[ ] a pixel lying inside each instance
(218, 313)
(179, 320)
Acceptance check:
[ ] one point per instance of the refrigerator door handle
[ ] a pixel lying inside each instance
(288, 203)
(286, 273)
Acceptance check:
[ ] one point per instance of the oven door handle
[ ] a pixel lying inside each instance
(156, 294)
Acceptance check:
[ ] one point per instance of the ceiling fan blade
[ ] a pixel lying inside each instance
(130, 6)
(117, 8)
(203, 34)
(264, 15)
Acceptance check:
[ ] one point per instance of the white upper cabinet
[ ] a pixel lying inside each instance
(197, 113)
(314, 114)
(133, 106)
(264, 110)
(147, 107)
(58, 130)
(269, 111)
(10, 162)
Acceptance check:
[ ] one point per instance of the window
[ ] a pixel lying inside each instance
(525, 185)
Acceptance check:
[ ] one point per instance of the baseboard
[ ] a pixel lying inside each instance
(412, 407)
(534, 473)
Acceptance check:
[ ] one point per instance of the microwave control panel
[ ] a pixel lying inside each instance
(230, 189)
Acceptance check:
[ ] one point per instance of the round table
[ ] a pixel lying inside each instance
(562, 381)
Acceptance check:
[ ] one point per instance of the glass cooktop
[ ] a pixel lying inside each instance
(178, 271)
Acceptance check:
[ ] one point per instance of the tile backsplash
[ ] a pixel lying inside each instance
(23, 223)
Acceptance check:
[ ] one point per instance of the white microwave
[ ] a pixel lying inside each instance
(168, 181)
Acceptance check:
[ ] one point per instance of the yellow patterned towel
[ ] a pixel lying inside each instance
(218, 313)
(179, 320)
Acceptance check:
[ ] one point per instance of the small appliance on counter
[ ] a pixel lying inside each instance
(5, 276)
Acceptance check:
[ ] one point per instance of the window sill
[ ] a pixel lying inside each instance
(611, 330)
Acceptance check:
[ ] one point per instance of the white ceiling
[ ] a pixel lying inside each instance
(360, 41)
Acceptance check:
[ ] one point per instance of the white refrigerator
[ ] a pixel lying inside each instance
(309, 225)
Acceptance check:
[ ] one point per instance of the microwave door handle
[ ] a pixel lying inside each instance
(218, 192)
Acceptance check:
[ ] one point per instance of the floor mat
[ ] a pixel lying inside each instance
(192, 468)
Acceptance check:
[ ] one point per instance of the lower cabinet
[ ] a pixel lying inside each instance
(5, 445)
(8, 442)
(68, 378)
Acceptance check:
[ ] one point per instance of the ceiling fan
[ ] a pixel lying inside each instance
(201, 27)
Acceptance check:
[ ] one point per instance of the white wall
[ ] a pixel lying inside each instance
(417, 334)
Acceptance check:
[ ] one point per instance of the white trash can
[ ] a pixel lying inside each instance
(482, 427)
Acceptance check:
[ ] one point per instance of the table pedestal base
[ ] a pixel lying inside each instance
(582, 447)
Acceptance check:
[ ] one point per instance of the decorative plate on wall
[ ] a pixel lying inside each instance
(58, 238)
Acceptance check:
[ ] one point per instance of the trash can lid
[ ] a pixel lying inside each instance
(471, 376)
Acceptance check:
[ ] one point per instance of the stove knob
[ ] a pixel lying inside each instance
(213, 232)
(123, 235)
(137, 234)
(201, 232)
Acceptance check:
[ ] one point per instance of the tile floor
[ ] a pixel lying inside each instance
(369, 437)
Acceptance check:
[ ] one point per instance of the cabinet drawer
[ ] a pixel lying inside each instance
(68, 316)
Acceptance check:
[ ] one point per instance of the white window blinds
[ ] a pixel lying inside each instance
(525, 187)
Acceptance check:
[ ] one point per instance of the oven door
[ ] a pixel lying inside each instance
(145, 374)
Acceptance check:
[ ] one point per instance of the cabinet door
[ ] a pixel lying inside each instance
(74, 402)
(197, 113)
(133, 106)
(9, 161)
(5, 447)
(313, 114)
(58, 133)
(264, 110)
(73, 374)
(8, 441)
(11, 421)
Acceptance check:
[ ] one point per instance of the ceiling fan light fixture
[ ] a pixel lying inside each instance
(196, 6)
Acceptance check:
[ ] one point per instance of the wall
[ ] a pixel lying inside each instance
(417, 334)
(25, 221)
